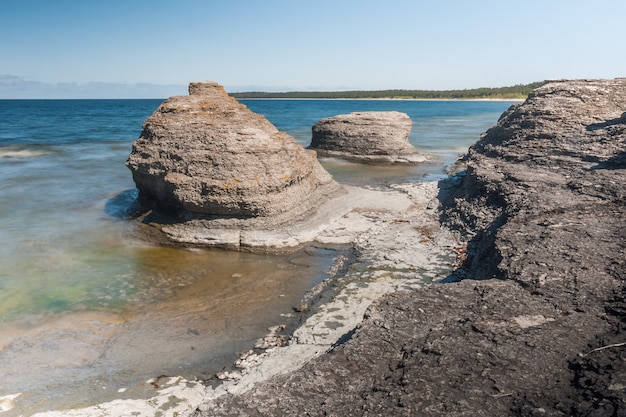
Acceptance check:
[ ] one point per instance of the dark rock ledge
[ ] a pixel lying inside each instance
(533, 322)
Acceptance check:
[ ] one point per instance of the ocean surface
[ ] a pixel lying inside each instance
(87, 313)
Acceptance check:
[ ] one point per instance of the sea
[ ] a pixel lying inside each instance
(88, 313)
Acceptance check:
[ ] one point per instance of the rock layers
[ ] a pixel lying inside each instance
(532, 322)
(208, 154)
(370, 137)
(209, 167)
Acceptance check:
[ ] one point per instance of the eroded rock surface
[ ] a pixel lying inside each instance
(208, 166)
(536, 327)
(370, 137)
(206, 153)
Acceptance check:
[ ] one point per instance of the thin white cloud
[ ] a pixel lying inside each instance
(14, 87)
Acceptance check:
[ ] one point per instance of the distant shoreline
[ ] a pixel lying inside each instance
(381, 99)
(516, 92)
(271, 98)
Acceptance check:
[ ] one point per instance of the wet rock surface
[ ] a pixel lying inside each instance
(380, 137)
(532, 322)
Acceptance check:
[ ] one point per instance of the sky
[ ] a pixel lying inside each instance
(154, 48)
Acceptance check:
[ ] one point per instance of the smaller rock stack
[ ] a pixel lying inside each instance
(370, 137)
(205, 161)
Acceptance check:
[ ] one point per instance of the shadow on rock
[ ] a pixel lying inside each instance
(125, 205)
(605, 124)
(463, 202)
(616, 162)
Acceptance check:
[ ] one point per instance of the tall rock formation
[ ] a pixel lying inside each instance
(207, 157)
(379, 137)
(559, 153)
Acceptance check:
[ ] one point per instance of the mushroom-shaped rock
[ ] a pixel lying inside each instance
(206, 156)
(371, 137)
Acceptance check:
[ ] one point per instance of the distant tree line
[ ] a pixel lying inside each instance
(518, 91)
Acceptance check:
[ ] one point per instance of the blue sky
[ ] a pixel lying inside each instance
(108, 47)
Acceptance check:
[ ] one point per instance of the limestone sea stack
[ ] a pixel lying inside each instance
(205, 161)
(377, 137)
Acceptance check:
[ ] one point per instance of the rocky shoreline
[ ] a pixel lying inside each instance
(535, 325)
(530, 241)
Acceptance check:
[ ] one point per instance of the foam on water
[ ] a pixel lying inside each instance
(7, 402)
(18, 152)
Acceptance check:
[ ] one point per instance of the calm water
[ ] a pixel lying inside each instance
(443, 129)
(72, 281)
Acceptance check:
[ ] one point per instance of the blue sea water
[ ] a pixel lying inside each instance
(64, 253)
(443, 128)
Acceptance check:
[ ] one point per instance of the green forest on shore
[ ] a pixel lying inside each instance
(518, 91)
